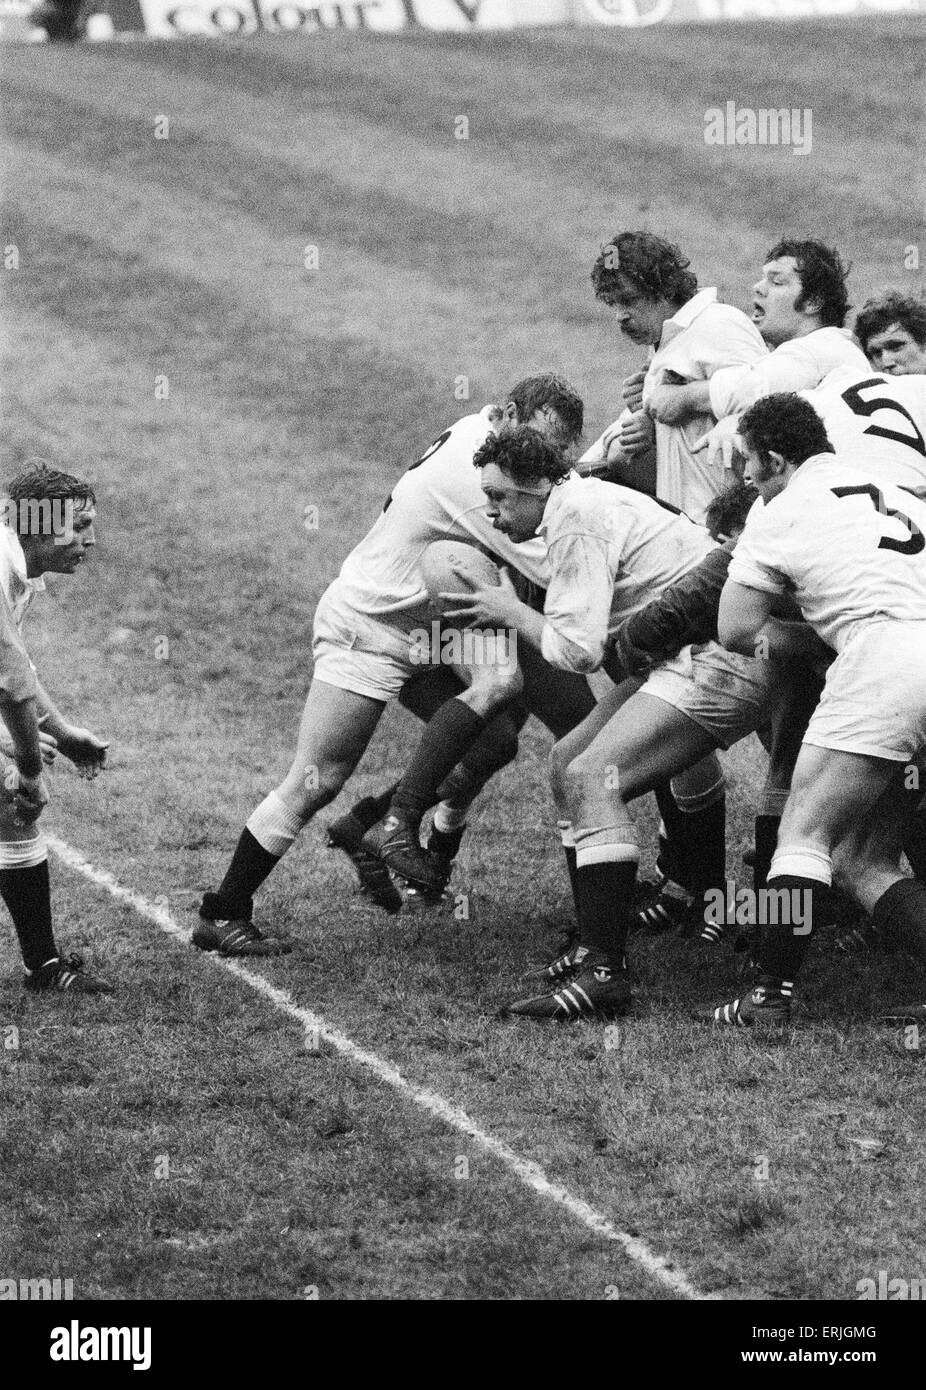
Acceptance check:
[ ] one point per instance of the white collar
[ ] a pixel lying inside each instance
(686, 315)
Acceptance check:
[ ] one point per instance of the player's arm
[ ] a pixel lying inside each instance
(84, 749)
(495, 606)
(743, 614)
(791, 367)
(621, 450)
(673, 405)
(686, 612)
(19, 712)
(577, 611)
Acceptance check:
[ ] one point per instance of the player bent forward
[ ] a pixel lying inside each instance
(366, 652)
(851, 552)
(610, 550)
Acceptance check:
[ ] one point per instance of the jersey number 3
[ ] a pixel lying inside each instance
(914, 542)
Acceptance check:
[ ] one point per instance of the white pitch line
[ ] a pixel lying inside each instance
(528, 1172)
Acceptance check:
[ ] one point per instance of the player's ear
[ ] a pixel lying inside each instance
(510, 413)
(778, 461)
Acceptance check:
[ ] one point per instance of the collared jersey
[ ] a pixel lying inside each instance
(877, 423)
(699, 340)
(798, 365)
(610, 550)
(17, 674)
(850, 551)
(439, 498)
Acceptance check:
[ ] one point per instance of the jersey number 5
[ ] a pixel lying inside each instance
(853, 400)
(914, 542)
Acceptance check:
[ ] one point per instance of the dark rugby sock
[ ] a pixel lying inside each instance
(783, 944)
(693, 852)
(573, 872)
(250, 865)
(370, 809)
(446, 842)
(27, 895)
(447, 737)
(604, 894)
(899, 915)
(672, 861)
(766, 838)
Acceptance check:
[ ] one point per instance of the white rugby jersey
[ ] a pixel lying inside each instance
(700, 339)
(849, 551)
(610, 550)
(439, 498)
(877, 423)
(17, 587)
(798, 365)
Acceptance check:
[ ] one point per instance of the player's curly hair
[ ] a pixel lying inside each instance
(535, 392)
(891, 306)
(726, 513)
(38, 482)
(652, 265)
(823, 276)
(525, 455)
(785, 424)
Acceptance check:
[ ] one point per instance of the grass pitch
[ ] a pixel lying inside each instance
(164, 333)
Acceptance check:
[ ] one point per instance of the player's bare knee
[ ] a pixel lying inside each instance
(311, 786)
(492, 689)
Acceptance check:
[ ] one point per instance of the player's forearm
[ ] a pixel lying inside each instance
(54, 721)
(22, 721)
(528, 623)
(694, 398)
(567, 655)
(685, 613)
(785, 640)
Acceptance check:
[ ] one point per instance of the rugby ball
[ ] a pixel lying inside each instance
(454, 567)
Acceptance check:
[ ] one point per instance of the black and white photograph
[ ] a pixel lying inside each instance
(463, 667)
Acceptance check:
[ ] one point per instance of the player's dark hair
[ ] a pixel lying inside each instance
(38, 483)
(652, 265)
(887, 307)
(726, 513)
(784, 424)
(525, 455)
(823, 277)
(535, 392)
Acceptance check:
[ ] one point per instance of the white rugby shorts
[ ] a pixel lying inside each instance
(728, 695)
(874, 699)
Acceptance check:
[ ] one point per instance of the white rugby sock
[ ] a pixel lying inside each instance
(274, 825)
(801, 861)
(23, 854)
(447, 817)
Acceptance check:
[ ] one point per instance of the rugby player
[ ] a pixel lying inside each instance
(610, 549)
(851, 552)
(365, 652)
(48, 528)
(891, 327)
(800, 304)
(690, 336)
